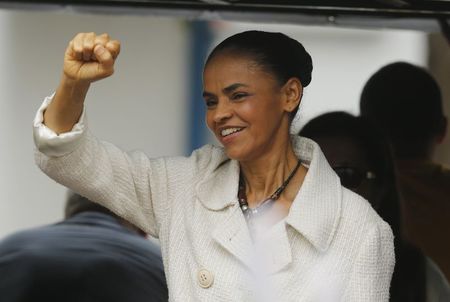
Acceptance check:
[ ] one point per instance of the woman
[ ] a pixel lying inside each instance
(263, 190)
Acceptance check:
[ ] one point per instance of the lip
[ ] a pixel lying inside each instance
(229, 138)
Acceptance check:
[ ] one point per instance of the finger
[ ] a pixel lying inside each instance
(77, 46)
(113, 47)
(102, 39)
(88, 45)
(103, 56)
(70, 51)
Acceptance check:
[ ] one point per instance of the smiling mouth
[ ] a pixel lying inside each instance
(229, 131)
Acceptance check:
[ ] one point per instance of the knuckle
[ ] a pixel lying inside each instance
(108, 72)
(117, 47)
(89, 44)
(77, 48)
(87, 48)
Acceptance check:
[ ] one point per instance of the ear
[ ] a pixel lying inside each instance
(293, 92)
(442, 130)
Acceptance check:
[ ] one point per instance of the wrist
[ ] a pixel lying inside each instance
(74, 86)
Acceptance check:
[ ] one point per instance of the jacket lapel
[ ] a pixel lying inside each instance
(233, 235)
(218, 193)
(275, 248)
(316, 211)
(218, 189)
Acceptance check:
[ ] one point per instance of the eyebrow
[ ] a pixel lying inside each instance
(226, 90)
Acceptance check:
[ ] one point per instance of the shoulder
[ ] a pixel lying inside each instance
(361, 219)
(208, 157)
(358, 211)
(20, 240)
(67, 240)
(29, 248)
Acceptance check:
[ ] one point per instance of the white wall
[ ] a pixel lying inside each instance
(141, 107)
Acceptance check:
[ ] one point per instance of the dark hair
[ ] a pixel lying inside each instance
(406, 102)
(276, 53)
(409, 278)
(76, 204)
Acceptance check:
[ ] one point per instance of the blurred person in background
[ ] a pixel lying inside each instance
(263, 218)
(92, 255)
(362, 158)
(405, 101)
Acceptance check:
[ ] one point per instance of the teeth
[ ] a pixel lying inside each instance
(229, 131)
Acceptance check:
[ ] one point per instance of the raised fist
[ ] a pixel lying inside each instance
(90, 57)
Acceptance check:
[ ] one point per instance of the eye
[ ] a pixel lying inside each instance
(210, 103)
(238, 96)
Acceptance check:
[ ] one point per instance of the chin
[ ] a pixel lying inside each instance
(239, 155)
(232, 153)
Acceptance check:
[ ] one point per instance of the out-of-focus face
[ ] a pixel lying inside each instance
(245, 107)
(350, 162)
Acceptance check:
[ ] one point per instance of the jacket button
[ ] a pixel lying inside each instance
(205, 278)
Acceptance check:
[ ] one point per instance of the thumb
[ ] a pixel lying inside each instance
(103, 56)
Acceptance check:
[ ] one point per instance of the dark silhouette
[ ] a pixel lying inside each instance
(361, 156)
(405, 102)
(92, 255)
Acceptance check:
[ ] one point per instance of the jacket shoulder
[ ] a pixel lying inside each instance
(358, 212)
(204, 159)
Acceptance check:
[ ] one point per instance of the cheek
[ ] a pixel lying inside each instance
(209, 119)
(264, 114)
(251, 111)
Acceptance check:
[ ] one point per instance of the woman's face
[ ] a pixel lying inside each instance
(245, 107)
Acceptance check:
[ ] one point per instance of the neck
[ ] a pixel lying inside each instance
(265, 174)
(419, 150)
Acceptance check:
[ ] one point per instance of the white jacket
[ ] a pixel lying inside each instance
(332, 246)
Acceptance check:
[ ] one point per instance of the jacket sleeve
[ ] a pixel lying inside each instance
(373, 267)
(129, 184)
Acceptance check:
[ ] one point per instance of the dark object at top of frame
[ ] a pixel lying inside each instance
(387, 8)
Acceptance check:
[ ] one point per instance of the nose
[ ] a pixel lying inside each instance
(222, 112)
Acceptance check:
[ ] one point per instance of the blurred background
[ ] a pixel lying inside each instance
(153, 101)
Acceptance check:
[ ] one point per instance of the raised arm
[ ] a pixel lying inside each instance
(129, 184)
(88, 58)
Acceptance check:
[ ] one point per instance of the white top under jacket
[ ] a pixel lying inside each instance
(332, 246)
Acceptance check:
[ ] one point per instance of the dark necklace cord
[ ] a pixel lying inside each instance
(242, 195)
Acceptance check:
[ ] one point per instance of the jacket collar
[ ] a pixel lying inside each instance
(315, 211)
(218, 189)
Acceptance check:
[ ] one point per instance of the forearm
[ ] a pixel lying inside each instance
(67, 105)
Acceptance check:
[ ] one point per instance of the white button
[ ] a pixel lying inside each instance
(205, 278)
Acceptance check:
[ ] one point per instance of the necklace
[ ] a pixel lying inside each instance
(267, 203)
